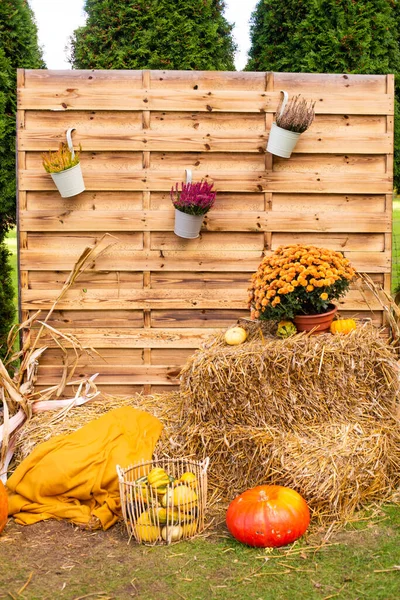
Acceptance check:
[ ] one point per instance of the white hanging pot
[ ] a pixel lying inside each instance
(70, 182)
(281, 142)
(187, 226)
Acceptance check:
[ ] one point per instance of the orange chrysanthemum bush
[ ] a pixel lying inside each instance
(297, 280)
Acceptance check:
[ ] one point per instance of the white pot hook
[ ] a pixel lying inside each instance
(69, 141)
(285, 101)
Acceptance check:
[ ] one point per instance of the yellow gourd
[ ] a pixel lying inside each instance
(189, 479)
(343, 326)
(184, 498)
(286, 329)
(160, 516)
(145, 530)
(235, 335)
(158, 478)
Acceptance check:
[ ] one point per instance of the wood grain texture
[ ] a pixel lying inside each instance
(150, 300)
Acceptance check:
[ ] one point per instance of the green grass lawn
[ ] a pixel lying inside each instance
(361, 562)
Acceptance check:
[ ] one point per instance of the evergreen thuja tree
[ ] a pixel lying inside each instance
(154, 34)
(327, 36)
(18, 49)
(7, 307)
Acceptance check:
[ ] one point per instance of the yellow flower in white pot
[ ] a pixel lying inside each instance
(65, 170)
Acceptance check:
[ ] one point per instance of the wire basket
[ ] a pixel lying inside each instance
(164, 500)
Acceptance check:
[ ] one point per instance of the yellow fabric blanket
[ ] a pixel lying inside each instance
(74, 476)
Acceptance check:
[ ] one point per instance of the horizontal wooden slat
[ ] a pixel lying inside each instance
(105, 356)
(369, 242)
(110, 79)
(244, 261)
(40, 260)
(101, 123)
(339, 164)
(208, 281)
(86, 97)
(107, 390)
(133, 201)
(146, 180)
(137, 375)
(42, 280)
(338, 203)
(213, 317)
(134, 299)
(138, 338)
(311, 142)
(214, 221)
(349, 84)
(92, 318)
(158, 299)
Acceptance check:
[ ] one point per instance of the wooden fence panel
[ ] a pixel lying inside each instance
(152, 298)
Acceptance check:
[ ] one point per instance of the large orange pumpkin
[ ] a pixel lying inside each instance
(268, 516)
(3, 507)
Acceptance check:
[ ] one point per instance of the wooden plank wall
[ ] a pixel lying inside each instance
(149, 301)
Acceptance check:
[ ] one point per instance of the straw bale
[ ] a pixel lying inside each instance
(291, 382)
(339, 467)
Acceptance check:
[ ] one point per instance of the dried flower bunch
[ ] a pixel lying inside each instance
(298, 279)
(297, 115)
(61, 160)
(194, 198)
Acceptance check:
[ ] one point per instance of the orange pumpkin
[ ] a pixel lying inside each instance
(268, 516)
(3, 507)
(343, 326)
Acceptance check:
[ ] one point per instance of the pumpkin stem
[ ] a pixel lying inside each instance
(263, 496)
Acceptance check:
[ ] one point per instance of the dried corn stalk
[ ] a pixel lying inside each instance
(17, 393)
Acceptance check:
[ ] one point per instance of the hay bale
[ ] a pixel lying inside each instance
(316, 413)
(294, 382)
(339, 467)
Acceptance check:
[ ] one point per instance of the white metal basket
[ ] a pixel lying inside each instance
(158, 512)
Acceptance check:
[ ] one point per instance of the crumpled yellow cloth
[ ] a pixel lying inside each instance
(74, 476)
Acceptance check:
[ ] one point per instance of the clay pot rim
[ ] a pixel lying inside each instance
(333, 310)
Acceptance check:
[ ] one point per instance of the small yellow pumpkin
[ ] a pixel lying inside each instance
(343, 326)
(235, 335)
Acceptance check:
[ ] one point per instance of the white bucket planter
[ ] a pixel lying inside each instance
(187, 226)
(281, 142)
(70, 182)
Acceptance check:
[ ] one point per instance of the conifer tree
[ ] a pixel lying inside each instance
(154, 34)
(327, 36)
(18, 49)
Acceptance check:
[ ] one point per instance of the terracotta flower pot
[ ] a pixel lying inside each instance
(319, 323)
